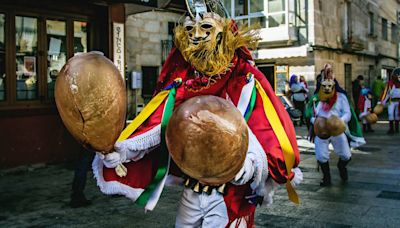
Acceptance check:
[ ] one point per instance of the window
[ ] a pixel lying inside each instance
(26, 41)
(150, 75)
(171, 27)
(56, 52)
(371, 24)
(37, 47)
(384, 29)
(2, 57)
(395, 33)
(276, 13)
(265, 13)
(80, 37)
(348, 22)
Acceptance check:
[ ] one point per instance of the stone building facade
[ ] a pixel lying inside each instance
(359, 37)
(145, 34)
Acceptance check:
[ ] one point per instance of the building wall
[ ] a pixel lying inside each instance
(144, 32)
(332, 22)
(339, 32)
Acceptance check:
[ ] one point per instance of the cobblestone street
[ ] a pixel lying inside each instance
(38, 196)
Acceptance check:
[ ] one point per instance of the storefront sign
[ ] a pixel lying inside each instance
(119, 48)
(152, 3)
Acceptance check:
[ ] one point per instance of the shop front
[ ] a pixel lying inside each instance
(36, 40)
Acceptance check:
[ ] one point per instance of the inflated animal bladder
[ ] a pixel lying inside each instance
(335, 126)
(371, 118)
(207, 138)
(320, 128)
(91, 99)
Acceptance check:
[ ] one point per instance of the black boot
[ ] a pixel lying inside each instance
(369, 128)
(342, 169)
(326, 180)
(79, 200)
(364, 126)
(391, 130)
(396, 126)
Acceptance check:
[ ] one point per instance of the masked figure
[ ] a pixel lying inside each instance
(365, 109)
(210, 58)
(334, 122)
(391, 96)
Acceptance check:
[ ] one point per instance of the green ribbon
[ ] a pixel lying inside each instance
(164, 155)
(252, 104)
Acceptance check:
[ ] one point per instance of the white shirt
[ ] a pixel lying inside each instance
(340, 109)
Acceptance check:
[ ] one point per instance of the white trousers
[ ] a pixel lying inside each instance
(393, 111)
(201, 210)
(340, 147)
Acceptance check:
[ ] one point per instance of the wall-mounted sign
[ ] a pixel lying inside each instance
(136, 80)
(119, 47)
(152, 3)
(281, 78)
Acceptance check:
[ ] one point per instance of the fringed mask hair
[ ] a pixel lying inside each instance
(208, 39)
(327, 89)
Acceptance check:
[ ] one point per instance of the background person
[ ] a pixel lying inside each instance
(377, 88)
(299, 93)
(391, 96)
(330, 103)
(356, 89)
(365, 108)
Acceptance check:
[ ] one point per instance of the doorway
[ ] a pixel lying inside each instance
(269, 72)
(348, 78)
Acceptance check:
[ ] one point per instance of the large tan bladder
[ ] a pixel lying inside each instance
(91, 99)
(207, 138)
(335, 126)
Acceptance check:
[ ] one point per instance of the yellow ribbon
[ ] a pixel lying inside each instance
(143, 115)
(121, 170)
(283, 139)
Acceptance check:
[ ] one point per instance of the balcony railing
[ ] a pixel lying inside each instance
(166, 46)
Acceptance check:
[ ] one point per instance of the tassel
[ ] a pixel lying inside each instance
(197, 188)
(187, 182)
(221, 189)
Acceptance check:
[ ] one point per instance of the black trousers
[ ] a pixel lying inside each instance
(300, 105)
(82, 167)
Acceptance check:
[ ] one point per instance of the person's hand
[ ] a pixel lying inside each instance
(245, 173)
(110, 160)
(298, 177)
(127, 150)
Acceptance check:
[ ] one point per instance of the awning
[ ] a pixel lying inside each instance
(286, 52)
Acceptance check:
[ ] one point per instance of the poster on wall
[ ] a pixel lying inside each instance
(281, 78)
(29, 65)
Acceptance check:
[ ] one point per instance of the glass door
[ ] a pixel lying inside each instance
(56, 52)
(2, 57)
(26, 41)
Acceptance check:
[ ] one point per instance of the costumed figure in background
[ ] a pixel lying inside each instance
(365, 109)
(210, 58)
(304, 84)
(334, 121)
(391, 96)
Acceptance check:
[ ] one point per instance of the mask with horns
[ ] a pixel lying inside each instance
(208, 38)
